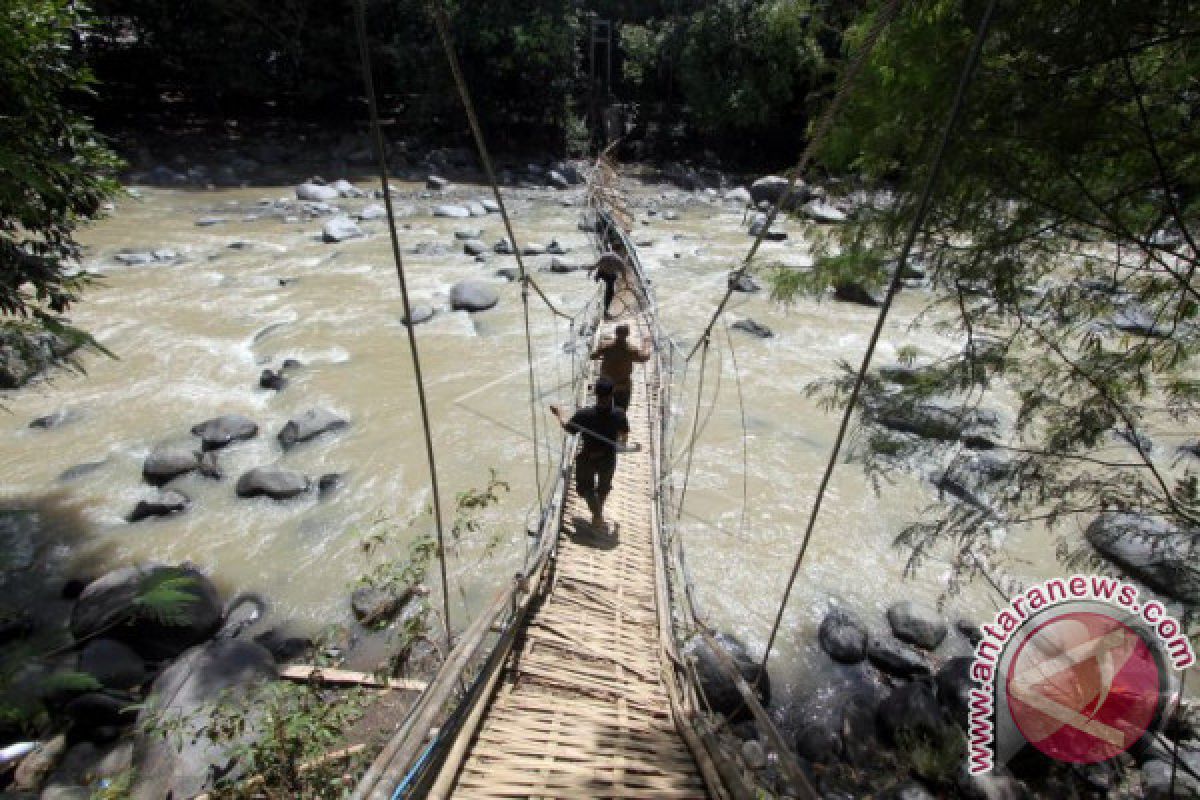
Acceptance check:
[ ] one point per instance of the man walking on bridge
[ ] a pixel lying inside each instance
(604, 430)
(617, 357)
(608, 268)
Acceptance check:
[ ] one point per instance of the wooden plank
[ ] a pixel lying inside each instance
(307, 672)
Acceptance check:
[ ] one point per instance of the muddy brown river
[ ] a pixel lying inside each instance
(191, 335)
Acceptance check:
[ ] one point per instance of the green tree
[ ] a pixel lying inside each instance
(1060, 246)
(54, 169)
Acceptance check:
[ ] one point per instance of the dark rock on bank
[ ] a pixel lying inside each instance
(753, 328)
(895, 658)
(719, 688)
(843, 636)
(112, 663)
(111, 605)
(917, 624)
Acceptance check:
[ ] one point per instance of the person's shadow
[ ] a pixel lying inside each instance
(581, 532)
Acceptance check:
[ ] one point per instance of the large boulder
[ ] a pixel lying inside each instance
(278, 484)
(931, 420)
(954, 684)
(917, 624)
(315, 193)
(473, 296)
(769, 189)
(221, 431)
(911, 712)
(340, 229)
(837, 721)
(114, 664)
(189, 763)
(895, 658)
(309, 425)
(720, 690)
(1151, 550)
(128, 605)
(855, 292)
(843, 636)
(163, 503)
(167, 463)
(419, 315)
(25, 352)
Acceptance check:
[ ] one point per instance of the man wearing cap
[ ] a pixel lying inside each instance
(617, 358)
(604, 428)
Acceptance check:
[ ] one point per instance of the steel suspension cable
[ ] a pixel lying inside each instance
(464, 95)
(687, 472)
(737, 377)
(820, 131)
(910, 239)
(360, 26)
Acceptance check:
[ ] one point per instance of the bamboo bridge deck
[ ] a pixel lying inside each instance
(581, 707)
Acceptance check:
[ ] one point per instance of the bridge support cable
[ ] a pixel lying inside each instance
(360, 25)
(823, 126)
(691, 445)
(737, 378)
(914, 230)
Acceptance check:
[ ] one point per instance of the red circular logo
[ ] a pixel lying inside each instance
(1083, 687)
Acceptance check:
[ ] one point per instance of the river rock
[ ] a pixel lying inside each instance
(953, 683)
(508, 273)
(824, 213)
(466, 234)
(199, 677)
(373, 211)
(532, 250)
(208, 222)
(329, 483)
(843, 636)
(278, 484)
(557, 179)
(473, 296)
(161, 504)
(270, 379)
(719, 689)
(910, 790)
(1001, 786)
(744, 283)
(109, 605)
(436, 183)
(1151, 550)
(167, 463)
(474, 247)
(316, 194)
(738, 195)
(309, 425)
(560, 266)
(374, 607)
(477, 210)
(36, 767)
(917, 624)
(931, 420)
(85, 764)
(79, 470)
(489, 204)
(837, 721)
(112, 663)
(420, 314)
(753, 328)
(769, 189)
(95, 714)
(347, 189)
(895, 658)
(25, 352)
(52, 420)
(911, 710)
(452, 211)
(855, 292)
(504, 247)
(1140, 321)
(134, 259)
(340, 229)
(224, 430)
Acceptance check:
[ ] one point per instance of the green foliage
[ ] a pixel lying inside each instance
(395, 575)
(166, 598)
(1059, 242)
(53, 165)
(936, 759)
(470, 504)
(278, 732)
(857, 265)
(60, 682)
(119, 788)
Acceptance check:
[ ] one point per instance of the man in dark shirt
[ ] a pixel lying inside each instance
(604, 428)
(617, 358)
(608, 268)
